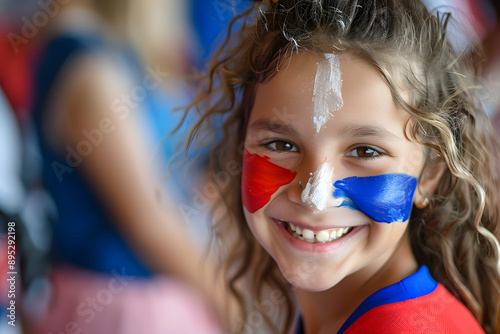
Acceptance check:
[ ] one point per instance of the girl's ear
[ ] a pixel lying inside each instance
(428, 181)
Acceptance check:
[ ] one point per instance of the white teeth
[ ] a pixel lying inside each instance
(321, 236)
(308, 234)
(339, 232)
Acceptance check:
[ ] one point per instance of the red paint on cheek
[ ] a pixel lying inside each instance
(260, 180)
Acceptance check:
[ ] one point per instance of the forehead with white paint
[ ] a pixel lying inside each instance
(327, 95)
(327, 98)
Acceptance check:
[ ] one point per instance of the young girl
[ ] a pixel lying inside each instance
(366, 177)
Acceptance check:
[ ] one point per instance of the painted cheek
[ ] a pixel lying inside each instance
(383, 198)
(260, 180)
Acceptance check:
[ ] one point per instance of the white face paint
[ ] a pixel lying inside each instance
(327, 95)
(319, 188)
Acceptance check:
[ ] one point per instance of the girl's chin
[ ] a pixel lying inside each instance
(312, 282)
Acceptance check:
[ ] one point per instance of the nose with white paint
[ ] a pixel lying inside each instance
(319, 187)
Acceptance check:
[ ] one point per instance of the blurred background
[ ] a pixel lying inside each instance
(109, 236)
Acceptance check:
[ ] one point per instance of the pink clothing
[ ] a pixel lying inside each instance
(88, 303)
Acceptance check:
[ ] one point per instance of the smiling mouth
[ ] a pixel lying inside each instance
(322, 236)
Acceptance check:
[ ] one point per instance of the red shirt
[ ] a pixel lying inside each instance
(438, 312)
(416, 304)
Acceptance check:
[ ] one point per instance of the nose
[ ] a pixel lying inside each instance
(313, 187)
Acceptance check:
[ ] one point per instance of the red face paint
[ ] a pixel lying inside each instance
(260, 180)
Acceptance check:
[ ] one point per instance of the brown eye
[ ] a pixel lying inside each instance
(365, 152)
(281, 145)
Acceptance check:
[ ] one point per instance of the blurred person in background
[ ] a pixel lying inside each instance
(16, 50)
(481, 19)
(492, 73)
(15, 98)
(11, 201)
(122, 260)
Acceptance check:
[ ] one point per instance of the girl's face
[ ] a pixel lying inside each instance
(300, 165)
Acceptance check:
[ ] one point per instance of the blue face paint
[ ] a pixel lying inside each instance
(383, 198)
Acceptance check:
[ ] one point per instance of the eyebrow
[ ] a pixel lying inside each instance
(274, 125)
(347, 131)
(367, 131)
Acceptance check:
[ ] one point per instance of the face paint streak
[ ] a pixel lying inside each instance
(319, 187)
(260, 180)
(383, 198)
(327, 95)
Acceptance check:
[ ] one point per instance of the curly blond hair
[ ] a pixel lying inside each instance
(456, 234)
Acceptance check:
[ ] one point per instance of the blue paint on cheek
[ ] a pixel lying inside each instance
(383, 198)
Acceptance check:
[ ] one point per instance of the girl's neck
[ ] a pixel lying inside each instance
(326, 311)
